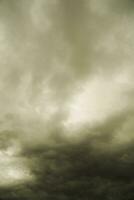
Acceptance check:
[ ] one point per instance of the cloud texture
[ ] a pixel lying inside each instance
(66, 99)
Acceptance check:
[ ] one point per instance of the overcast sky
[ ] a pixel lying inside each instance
(66, 78)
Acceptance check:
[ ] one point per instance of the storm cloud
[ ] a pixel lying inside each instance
(66, 99)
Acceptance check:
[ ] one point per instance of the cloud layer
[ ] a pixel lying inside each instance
(66, 87)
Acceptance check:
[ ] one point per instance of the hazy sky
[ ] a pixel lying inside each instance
(66, 78)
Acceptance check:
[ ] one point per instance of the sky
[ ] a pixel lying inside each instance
(66, 99)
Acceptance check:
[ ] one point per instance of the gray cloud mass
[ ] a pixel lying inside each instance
(66, 99)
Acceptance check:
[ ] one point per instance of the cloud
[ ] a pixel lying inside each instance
(66, 88)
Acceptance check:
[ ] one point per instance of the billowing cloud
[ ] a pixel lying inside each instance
(66, 99)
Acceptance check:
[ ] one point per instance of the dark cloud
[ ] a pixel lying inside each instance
(66, 87)
(74, 171)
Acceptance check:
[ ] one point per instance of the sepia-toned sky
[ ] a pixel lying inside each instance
(66, 99)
